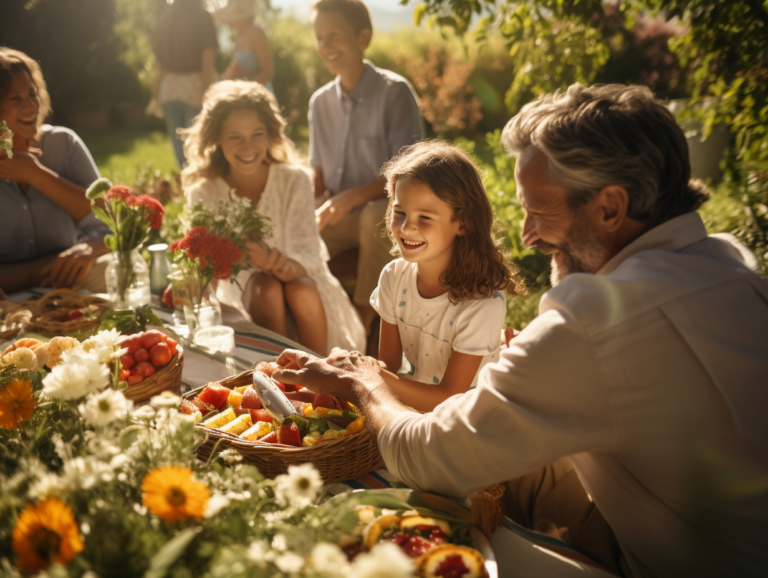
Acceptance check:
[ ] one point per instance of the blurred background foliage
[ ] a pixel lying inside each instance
(474, 63)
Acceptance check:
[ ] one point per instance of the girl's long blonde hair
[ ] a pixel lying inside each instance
(204, 156)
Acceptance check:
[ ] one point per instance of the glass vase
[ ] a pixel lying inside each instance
(201, 308)
(127, 279)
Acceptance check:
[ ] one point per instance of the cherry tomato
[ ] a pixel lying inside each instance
(132, 345)
(173, 345)
(134, 379)
(145, 369)
(124, 374)
(150, 338)
(127, 360)
(160, 354)
(74, 314)
(141, 355)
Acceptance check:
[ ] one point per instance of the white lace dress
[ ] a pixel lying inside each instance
(287, 200)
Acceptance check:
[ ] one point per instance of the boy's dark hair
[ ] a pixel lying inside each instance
(354, 11)
(479, 267)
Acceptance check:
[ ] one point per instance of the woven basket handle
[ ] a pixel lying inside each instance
(486, 508)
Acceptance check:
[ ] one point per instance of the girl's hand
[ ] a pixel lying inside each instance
(70, 268)
(507, 335)
(259, 254)
(22, 168)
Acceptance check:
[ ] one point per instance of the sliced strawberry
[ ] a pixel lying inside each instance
(289, 435)
(202, 406)
(188, 407)
(270, 438)
(251, 399)
(260, 415)
(214, 394)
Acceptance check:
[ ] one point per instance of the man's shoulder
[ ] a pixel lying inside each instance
(389, 77)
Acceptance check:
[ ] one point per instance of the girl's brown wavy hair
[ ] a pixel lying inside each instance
(13, 61)
(205, 160)
(479, 267)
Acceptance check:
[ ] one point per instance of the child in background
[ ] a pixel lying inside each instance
(442, 304)
(237, 143)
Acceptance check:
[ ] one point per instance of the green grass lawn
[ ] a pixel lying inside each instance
(120, 154)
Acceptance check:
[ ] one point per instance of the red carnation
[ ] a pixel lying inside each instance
(120, 192)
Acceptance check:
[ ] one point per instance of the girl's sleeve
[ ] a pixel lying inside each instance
(302, 239)
(479, 326)
(382, 299)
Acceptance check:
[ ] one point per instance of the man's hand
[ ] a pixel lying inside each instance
(70, 268)
(334, 209)
(340, 374)
(261, 255)
(507, 335)
(22, 168)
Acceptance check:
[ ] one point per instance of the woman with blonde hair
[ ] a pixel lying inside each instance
(237, 144)
(48, 234)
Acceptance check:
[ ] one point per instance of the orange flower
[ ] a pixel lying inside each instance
(16, 403)
(45, 533)
(172, 494)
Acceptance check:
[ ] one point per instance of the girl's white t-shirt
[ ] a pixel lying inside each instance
(430, 329)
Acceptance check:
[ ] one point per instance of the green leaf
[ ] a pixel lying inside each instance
(169, 553)
(110, 241)
(128, 436)
(102, 216)
(301, 423)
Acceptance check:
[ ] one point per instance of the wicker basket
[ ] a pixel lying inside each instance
(51, 315)
(167, 379)
(336, 460)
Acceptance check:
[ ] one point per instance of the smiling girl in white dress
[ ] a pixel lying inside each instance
(442, 304)
(237, 143)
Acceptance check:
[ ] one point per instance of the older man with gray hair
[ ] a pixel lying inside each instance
(629, 418)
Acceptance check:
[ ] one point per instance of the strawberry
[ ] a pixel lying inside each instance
(188, 408)
(75, 314)
(215, 395)
(289, 434)
(270, 438)
(327, 401)
(251, 399)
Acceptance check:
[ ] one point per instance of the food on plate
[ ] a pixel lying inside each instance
(425, 538)
(323, 417)
(148, 353)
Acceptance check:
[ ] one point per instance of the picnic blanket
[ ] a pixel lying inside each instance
(520, 553)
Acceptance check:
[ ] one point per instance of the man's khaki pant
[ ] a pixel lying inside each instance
(552, 501)
(362, 228)
(20, 276)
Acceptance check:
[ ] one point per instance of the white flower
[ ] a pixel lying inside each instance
(329, 559)
(105, 407)
(96, 349)
(48, 485)
(289, 562)
(230, 456)
(108, 338)
(85, 473)
(216, 503)
(299, 487)
(165, 399)
(119, 461)
(258, 552)
(385, 560)
(23, 358)
(144, 412)
(77, 375)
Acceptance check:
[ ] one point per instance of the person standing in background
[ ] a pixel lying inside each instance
(252, 58)
(357, 122)
(185, 46)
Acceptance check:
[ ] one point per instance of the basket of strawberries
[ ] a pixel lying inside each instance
(328, 432)
(152, 364)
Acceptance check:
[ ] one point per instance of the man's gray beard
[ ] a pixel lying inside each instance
(581, 252)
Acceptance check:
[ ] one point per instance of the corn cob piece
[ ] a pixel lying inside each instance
(334, 434)
(219, 420)
(234, 399)
(260, 428)
(237, 426)
(324, 411)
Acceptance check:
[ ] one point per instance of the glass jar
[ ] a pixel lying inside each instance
(127, 278)
(201, 308)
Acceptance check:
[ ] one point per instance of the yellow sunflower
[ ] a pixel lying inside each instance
(45, 533)
(16, 403)
(172, 494)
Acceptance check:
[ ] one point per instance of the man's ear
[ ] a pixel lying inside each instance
(364, 38)
(611, 207)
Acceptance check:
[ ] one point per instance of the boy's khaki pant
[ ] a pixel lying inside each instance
(362, 228)
(552, 501)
